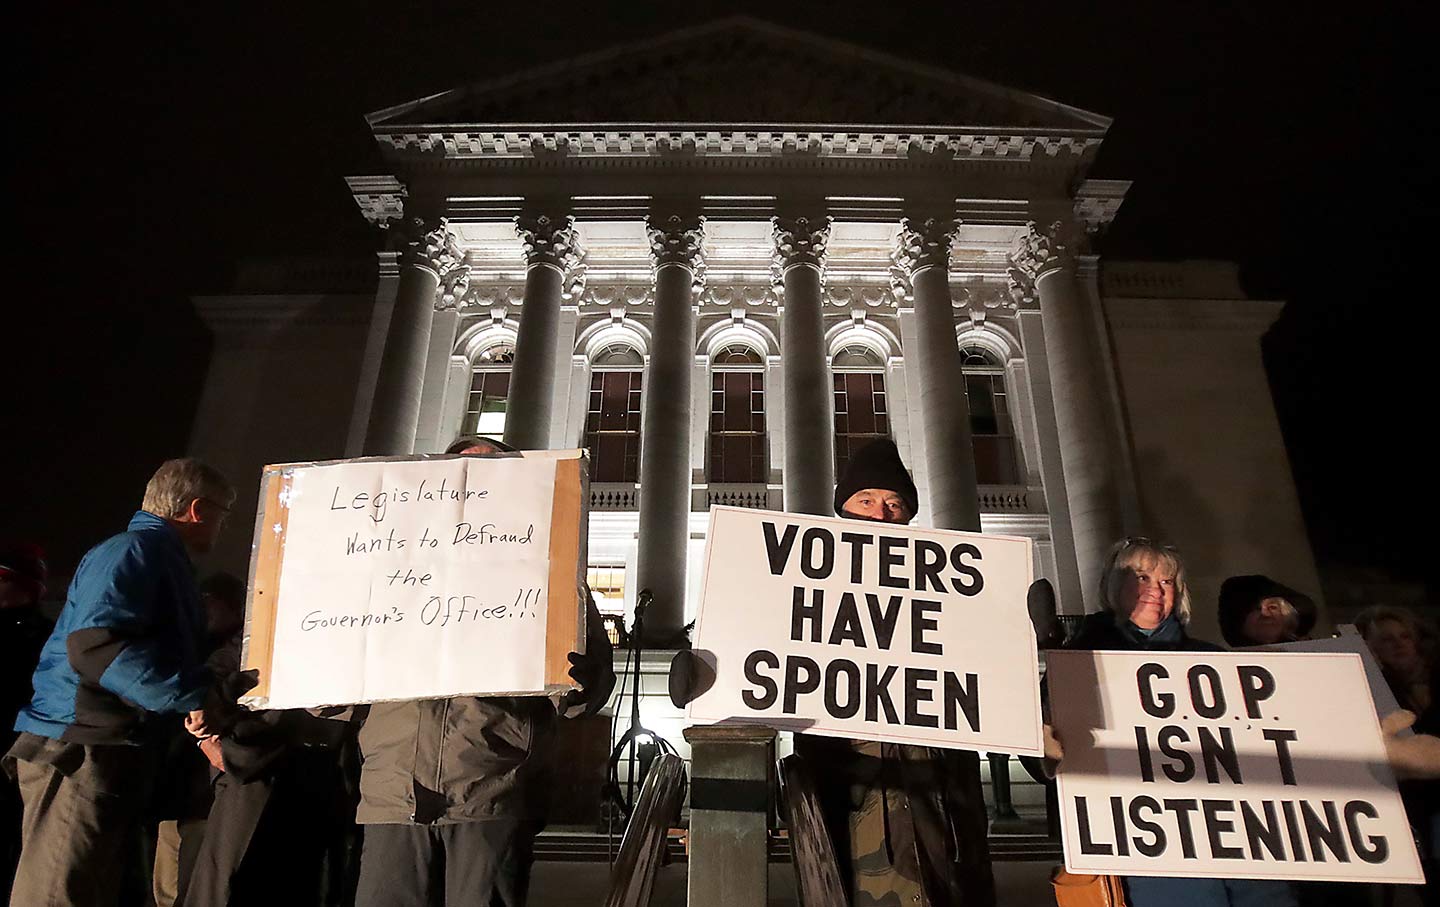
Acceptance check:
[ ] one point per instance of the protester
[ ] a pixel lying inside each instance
(182, 801)
(1257, 611)
(1397, 639)
(23, 631)
(908, 822)
(1146, 607)
(453, 791)
(282, 808)
(1395, 636)
(128, 645)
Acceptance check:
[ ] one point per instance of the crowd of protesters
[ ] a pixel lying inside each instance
(138, 779)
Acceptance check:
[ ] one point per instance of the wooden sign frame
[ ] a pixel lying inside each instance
(565, 630)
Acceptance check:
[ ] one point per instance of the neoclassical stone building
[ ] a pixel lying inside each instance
(724, 259)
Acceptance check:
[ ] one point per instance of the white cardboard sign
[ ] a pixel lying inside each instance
(1225, 765)
(390, 578)
(874, 631)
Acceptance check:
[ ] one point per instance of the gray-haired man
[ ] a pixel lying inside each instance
(128, 644)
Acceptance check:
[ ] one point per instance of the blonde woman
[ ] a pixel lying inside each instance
(1146, 607)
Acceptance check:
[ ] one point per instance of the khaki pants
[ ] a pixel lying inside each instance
(176, 843)
(83, 807)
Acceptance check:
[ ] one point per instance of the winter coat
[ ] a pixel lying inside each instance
(441, 761)
(129, 641)
(1102, 632)
(918, 819)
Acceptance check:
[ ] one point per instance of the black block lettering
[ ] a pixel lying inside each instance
(1215, 826)
(916, 693)
(1256, 685)
(969, 580)
(768, 691)
(1372, 849)
(877, 693)
(795, 686)
(966, 697)
(1160, 705)
(929, 561)
(842, 673)
(920, 624)
(1212, 706)
(817, 553)
(777, 550)
(800, 613)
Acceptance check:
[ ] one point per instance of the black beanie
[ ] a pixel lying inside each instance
(465, 442)
(1239, 595)
(877, 465)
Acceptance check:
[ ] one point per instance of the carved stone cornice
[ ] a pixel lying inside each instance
(677, 239)
(424, 242)
(1040, 250)
(1015, 145)
(924, 242)
(381, 198)
(799, 241)
(1097, 202)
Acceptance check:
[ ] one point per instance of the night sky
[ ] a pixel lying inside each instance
(159, 145)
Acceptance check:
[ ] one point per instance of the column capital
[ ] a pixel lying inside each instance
(1041, 249)
(799, 241)
(429, 243)
(924, 242)
(677, 239)
(554, 242)
(424, 242)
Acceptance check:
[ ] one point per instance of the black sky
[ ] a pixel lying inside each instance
(158, 146)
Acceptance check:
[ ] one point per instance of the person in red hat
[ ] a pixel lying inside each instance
(23, 631)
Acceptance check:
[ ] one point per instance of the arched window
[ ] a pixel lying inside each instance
(862, 412)
(489, 387)
(612, 422)
(737, 416)
(993, 436)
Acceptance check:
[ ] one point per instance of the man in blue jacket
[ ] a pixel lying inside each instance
(128, 645)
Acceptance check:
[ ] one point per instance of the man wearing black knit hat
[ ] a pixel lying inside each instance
(908, 822)
(876, 486)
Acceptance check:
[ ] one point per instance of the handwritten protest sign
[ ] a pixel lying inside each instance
(1225, 765)
(406, 578)
(868, 630)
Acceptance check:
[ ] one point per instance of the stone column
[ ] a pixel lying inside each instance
(552, 258)
(809, 398)
(430, 261)
(923, 262)
(665, 428)
(1046, 256)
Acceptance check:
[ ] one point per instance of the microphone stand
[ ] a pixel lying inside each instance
(638, 755)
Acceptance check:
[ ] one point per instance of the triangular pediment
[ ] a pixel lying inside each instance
(741, 71)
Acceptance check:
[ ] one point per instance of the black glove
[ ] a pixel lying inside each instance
(1040, 601)
(594, 671)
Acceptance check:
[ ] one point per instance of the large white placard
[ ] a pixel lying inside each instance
(1225, 765)
(874, 631)
(405, 579)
